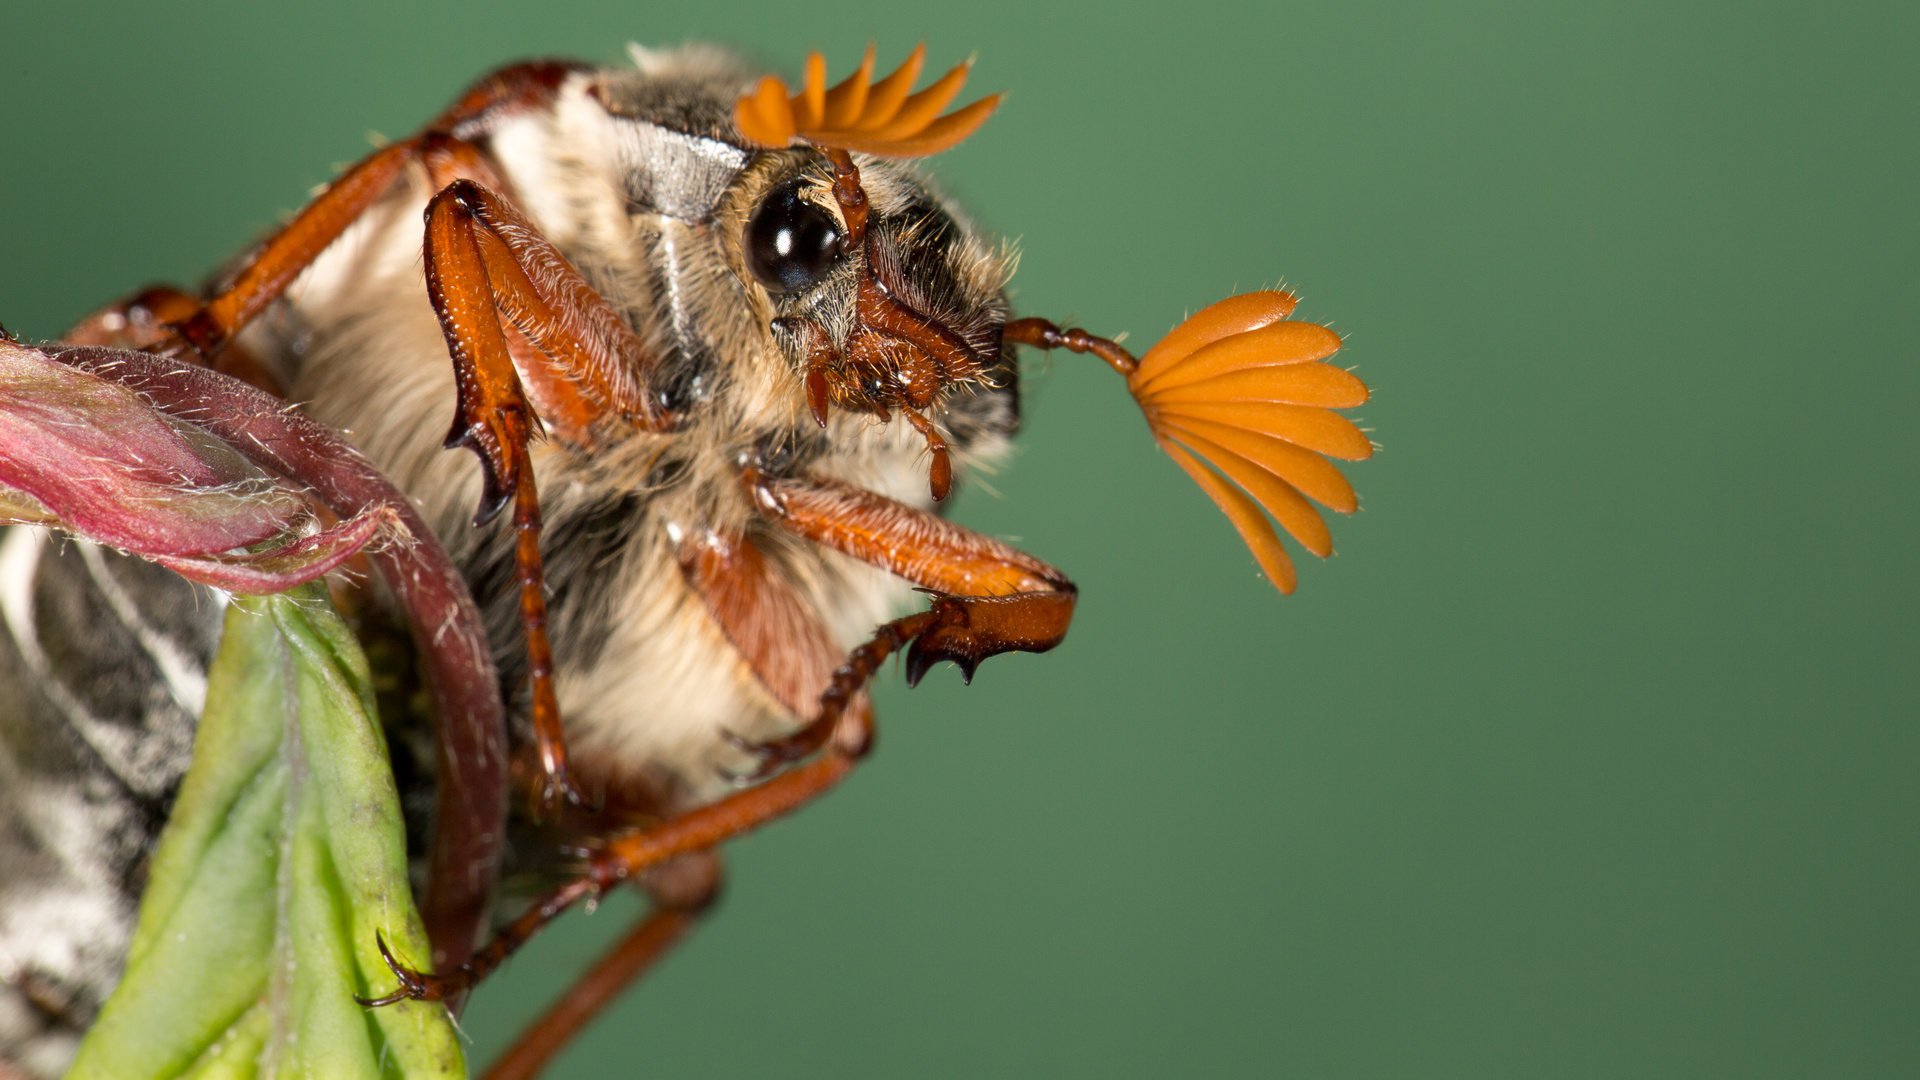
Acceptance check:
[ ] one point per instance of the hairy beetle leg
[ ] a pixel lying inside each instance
(988, 597)
(487, 269)
(1029, 610)
(448, 149)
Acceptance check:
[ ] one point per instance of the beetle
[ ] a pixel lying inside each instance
(720, 352)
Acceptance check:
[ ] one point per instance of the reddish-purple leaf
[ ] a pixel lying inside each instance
(284, 567)
(115, 469)
(471, 797)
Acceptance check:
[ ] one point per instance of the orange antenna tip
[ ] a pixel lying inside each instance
(857, 114)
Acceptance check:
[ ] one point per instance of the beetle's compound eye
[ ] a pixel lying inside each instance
(790, 242)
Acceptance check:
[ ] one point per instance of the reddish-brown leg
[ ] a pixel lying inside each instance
(622, 857)
(143, 321)
(274, 267)
(1013, 602)
(989, 597)
(692, 882)
(483, 261)
(448, 148)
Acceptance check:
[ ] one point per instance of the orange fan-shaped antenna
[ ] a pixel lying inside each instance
(1244, 389)
(863, 116)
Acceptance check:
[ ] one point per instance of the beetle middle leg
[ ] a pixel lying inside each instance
(991, 599)
(683, 890)
(793, 658)
(622, 857)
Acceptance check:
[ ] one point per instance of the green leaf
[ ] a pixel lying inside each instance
(284, 857)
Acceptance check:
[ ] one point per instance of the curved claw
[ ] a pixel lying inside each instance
(771, 755)
(746, 779)
(745, 745)
(548, 786)
(766, 760)
(555, 790)
(968, 629)
(414, 985)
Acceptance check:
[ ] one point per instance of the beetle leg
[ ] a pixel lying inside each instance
(589, 364)
(683, 890)
(624, 856)
(991, 599)
(485, 261)
(447, 149)
(282, 258)
(988, 597)
(142, 321)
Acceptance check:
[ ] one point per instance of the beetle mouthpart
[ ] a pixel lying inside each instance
(822, 358)
(940, 474)
(817, 393)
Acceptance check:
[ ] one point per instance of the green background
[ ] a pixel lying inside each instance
(1594, 752)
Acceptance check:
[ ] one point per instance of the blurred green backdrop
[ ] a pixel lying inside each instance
(1594, 753)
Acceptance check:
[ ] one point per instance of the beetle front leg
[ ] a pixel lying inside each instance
(485, 261)
(992, 599)
(987, 597)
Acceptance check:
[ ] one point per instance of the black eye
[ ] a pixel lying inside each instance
(791, 243)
